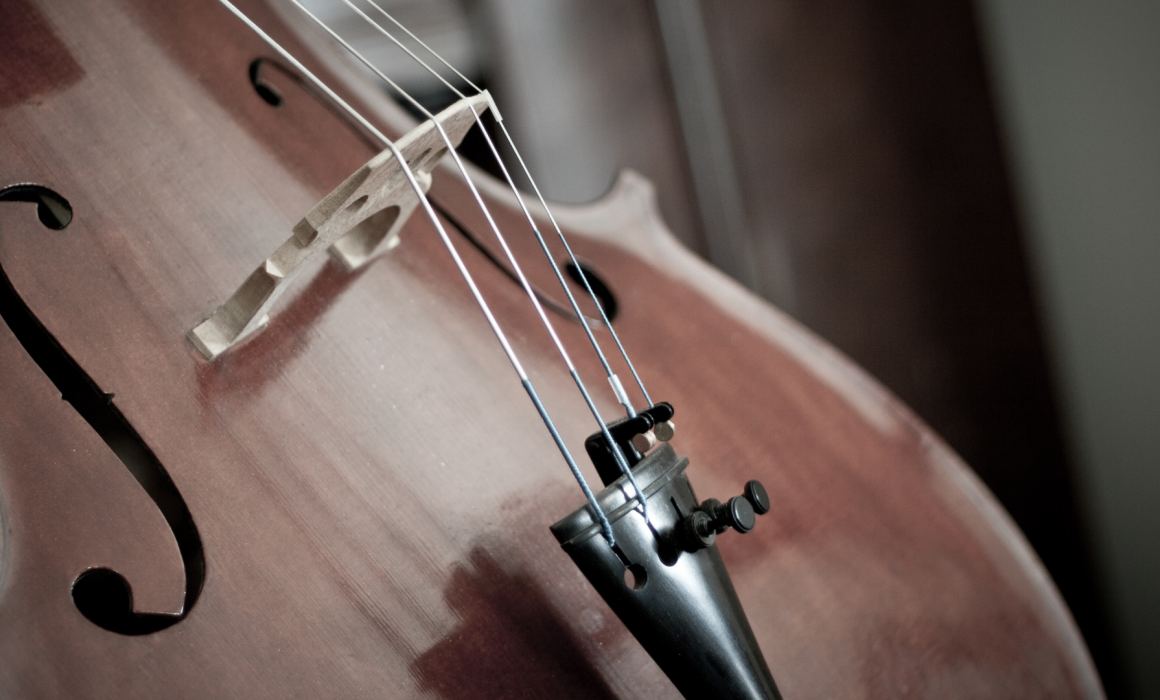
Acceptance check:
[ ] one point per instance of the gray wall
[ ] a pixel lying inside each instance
(1078, 84)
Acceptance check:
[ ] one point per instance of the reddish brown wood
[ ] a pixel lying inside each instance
(371, 485)
(34, 60)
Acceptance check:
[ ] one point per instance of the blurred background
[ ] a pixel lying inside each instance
(962, 196)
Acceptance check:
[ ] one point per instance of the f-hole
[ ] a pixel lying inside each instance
(265, 90)
(273, 97)
(103, 595)
(603, 294)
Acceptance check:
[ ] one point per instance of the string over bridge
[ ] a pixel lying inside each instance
(357, 220)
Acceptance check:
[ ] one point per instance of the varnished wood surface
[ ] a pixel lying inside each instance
(372, 488)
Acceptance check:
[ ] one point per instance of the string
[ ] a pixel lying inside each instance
(614, 381)
(486, 252)
(535, 188)
(617, 388)
(605, 525)
(618, 454)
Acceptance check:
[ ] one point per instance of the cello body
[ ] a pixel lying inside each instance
(371, 488)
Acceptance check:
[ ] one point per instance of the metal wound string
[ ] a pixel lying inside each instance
(618, 455)
(605, 526)
(617, 387)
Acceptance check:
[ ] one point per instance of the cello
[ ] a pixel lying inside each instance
(353, 497)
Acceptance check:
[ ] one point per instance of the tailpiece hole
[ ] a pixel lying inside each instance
(635, 577)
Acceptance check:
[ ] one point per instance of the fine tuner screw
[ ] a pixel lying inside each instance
(758, 498)
(700, 528)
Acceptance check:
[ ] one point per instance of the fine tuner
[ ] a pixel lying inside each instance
(636, 436)
(700, 528)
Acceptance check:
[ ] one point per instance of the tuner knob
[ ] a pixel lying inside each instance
(757, 497)
(700, 528)
(738, 514)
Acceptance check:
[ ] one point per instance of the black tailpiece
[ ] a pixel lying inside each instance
(665, 578)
